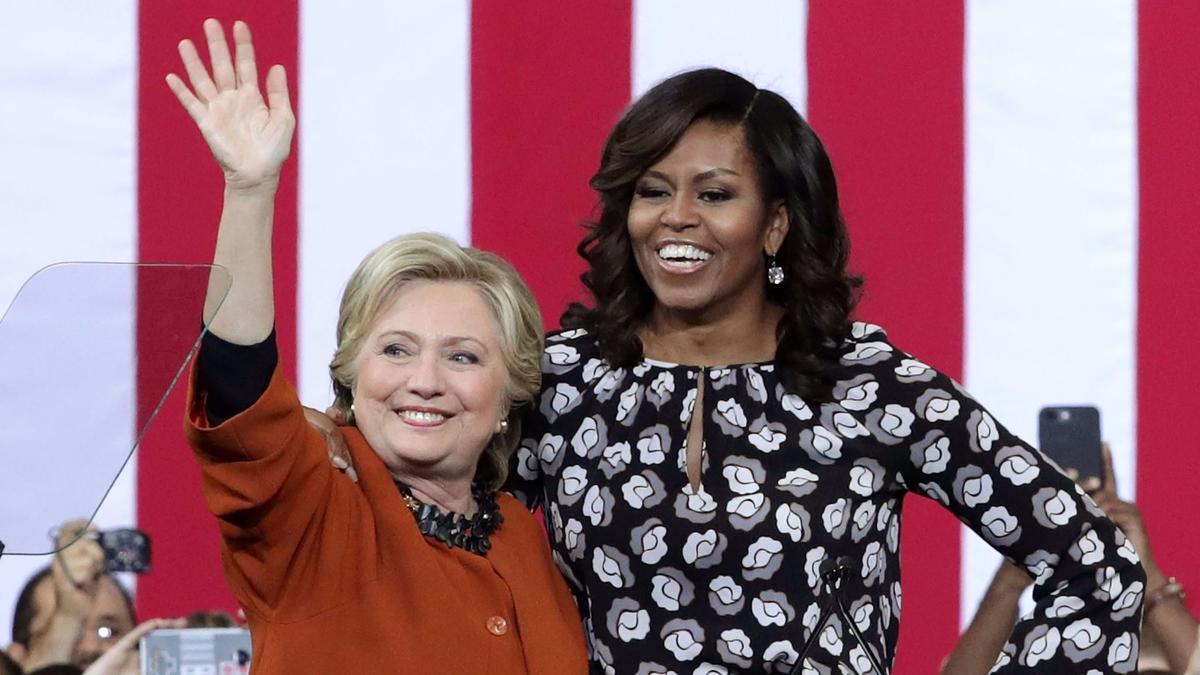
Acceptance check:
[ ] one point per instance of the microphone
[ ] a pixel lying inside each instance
(833, 573)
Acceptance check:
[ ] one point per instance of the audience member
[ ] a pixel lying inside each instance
(70, 611)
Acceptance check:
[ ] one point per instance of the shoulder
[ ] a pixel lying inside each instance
(570, 355)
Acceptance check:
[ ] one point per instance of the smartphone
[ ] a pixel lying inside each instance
(196, 651)
(125, 550)
(1070, 435)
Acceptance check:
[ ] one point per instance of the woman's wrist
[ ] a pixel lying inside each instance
(265, 187)
(1169, 591)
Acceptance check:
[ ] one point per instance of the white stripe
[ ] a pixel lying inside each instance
(765, 45)
(1051, 205)
(67, 127)
(384, 148)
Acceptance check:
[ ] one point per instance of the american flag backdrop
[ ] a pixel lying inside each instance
(1021, 179)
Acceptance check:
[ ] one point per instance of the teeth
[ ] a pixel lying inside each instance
(683, 251)
(421, 417)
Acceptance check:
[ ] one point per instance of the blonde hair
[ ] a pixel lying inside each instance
(432, 257)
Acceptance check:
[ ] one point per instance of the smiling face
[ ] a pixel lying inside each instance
(430, 384)
(699, 224)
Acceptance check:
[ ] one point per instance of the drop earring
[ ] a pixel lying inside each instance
(774, 271)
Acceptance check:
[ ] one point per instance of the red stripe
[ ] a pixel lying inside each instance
(179, 197)
(548, 80)
(886, 96)
(1168, 296)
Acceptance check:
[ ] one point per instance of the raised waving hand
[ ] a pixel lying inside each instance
(249, 137)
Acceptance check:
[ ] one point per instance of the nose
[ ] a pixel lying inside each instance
(90, 646)
(680, 213)
(425, 377)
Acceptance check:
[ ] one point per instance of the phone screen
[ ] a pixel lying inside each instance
(1070, 435)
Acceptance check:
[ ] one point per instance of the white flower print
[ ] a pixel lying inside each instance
(1064, 606)
(897, 421)
(670, 589)
(835, 518)
(763, 559)
(636, 490)
(630, 398)
(607, 568)
(767, 438)
(684, 638)
(1017, 465)
(937, 405)
(812, 566)
(768, 612)
(1052, 507)
(699, 545)
(732, 412)
(654, 545)
(860, 397)
(847, 426)
(1088, 550)
(572, 483)
(983, 431)
(650, 450)
(1082, 639)
(616, 457)
(932, 454)
(726, 595)
(798, 482)
(561, 355)
(586, 438)
(741, 479)
(1000, 526)
(796, 405)
(1122, 653)
(1040, 645)
(868, 353)
(792, 520)
(782, 652)
(913, 370)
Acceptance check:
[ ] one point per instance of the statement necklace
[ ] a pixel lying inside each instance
(454, 529)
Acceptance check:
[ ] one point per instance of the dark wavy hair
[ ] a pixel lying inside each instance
(817, 294)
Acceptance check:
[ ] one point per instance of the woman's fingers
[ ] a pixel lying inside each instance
(218, 53)
(194, 107)
(277, 93)
(1110, 478)
(197, 74)
(243, 43)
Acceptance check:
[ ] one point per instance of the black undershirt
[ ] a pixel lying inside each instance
(234, 376)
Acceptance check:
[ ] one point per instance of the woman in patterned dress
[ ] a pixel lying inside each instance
(714, 431)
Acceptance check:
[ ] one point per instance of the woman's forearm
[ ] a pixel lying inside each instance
(246, 314)
(980, 644)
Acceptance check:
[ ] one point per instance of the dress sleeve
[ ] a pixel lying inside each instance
(1089, 582)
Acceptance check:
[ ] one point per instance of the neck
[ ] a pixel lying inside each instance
(746, 334)
(448, 495)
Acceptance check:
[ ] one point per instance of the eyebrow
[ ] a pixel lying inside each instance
(447, 340)
(702, 176)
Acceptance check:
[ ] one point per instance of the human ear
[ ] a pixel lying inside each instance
(778, 222)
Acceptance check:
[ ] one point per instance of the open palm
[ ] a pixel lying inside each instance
(250, 138)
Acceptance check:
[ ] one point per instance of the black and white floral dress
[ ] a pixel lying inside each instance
(726, 578)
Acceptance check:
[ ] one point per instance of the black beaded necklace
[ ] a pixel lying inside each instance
(454, 529)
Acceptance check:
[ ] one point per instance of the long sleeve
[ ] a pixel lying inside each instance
(1089, 581)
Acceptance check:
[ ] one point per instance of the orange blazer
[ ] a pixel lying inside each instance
(334, 577)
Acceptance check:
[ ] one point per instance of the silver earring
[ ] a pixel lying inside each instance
(774, 271)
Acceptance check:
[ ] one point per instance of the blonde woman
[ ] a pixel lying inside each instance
(422, 567)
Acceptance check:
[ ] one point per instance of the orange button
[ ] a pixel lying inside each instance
(497, 625)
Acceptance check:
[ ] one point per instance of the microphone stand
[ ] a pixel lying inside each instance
(831, 580)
